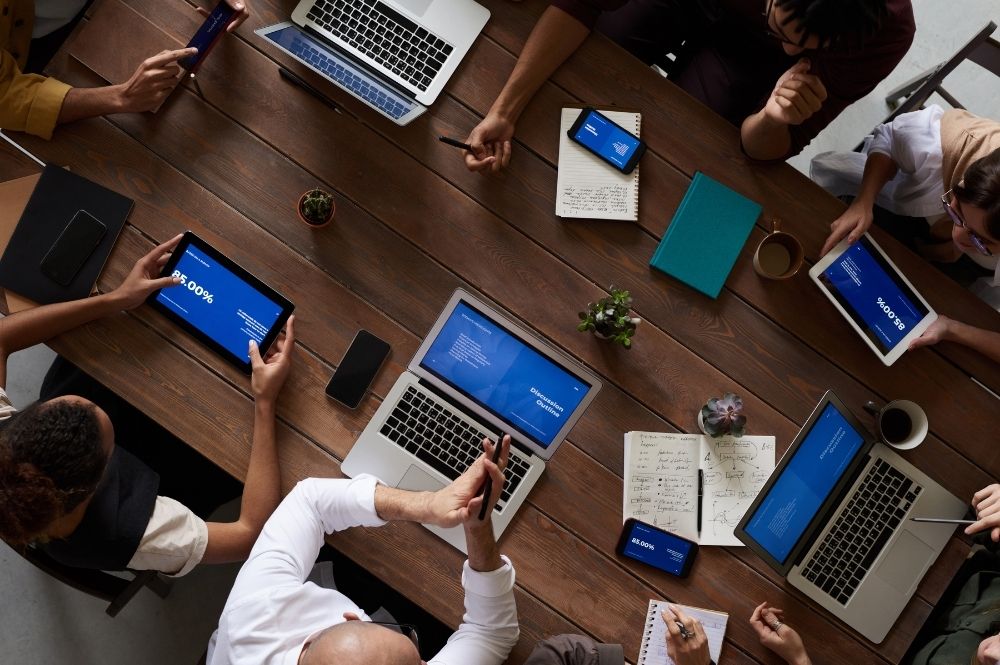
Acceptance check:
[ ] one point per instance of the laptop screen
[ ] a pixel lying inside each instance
(791, 503)
(503, 374)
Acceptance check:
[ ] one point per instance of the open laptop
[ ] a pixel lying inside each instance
(477, 374)
(394, 55)
(834, 520)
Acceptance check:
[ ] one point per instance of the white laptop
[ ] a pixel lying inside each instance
(834, 519)
(394, 55)
(477, 374)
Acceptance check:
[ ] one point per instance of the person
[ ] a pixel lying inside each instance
(934, 176)
(781, 70)
(70, 488)
(273, 615)
(32, 103)
(575, 650)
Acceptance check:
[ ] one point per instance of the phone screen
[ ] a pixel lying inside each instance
(657, 548)
(357, 369)
(606, 139)
(73, 247)
(209, 31)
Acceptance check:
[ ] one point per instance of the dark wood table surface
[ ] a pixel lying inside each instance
(412, 225)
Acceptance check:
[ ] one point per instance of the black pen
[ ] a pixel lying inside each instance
(295, 80)
(454, 143)
(488, 485)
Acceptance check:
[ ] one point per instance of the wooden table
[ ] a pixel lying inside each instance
(412, 224)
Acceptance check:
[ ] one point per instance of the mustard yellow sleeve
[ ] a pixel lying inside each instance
(28, 102)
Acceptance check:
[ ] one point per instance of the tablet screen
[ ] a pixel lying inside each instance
(219, 303)
(874, 296)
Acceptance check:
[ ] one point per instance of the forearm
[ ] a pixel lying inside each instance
(986, 342)
(764, 138)
(555, 37)
(262, 487)
(396, 505)
(484, 554)
(879, 170)
(81, 103)
(40, 324)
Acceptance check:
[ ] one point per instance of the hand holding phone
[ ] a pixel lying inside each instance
(658, 548)
(357, 369)
(209, 33)
(608, 140)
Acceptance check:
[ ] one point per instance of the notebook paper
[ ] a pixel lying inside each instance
(588, 187)
(653, 650)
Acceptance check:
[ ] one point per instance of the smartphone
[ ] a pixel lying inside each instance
(73, 247)
(357, 369)
(609, 141)
(657, 548)
(208, 34)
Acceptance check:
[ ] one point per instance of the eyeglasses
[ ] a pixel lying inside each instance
(407, 629)
(957, 220)
(778, 34)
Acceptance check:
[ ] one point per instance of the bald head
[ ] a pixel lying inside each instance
(360, 643)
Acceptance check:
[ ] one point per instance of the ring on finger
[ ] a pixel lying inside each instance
(776, 625)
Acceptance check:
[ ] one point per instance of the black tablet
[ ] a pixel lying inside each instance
(219, 302)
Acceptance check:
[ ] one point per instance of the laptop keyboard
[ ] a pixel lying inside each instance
(383, 34)
(367, 89)
(861, 531)
(430, 430)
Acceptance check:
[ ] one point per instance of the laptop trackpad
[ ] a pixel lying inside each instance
(904, 562)
(418, 480)
(416, 7)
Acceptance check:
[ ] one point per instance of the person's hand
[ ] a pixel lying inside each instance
(145, 276)
(853, 224)
(987, 504)
(796, 96)
(690, 650)
(270, 372)
(458, 503)
(769, 624)
(155, 78)
(490, 141)
(936, 332)
(242, 13)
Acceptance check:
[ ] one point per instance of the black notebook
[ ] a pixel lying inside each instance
(58, 197)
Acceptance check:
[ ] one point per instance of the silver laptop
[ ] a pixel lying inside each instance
(394, 55)
(834, 519)
(477, 374)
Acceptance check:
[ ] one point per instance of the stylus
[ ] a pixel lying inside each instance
(21, 150)
(457, 144)
(488, 486)
(935, 520)
(295, 80)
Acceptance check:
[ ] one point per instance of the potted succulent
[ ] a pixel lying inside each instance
(316, 208)
(723, 415)
(611, 318)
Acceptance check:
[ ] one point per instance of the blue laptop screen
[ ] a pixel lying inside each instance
(504, 375)
(821, 459)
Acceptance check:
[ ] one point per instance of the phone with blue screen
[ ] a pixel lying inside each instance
(208, 34)
(657, 548)
(608, 140)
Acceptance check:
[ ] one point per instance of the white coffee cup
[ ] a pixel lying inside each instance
(901, 423)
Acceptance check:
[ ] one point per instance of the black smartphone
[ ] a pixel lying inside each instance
(608, 140)
(208, 34)
(657, 548)
(357, 369)
(73, 247)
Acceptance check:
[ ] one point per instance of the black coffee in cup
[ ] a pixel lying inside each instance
(896, 425)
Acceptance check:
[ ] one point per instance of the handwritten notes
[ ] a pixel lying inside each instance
(586, 186)
(653, 650)
(661, 482)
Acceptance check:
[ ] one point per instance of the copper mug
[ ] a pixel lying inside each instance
(779, 255)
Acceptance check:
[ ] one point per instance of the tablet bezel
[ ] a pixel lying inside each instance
(287, 307)
(917, 330)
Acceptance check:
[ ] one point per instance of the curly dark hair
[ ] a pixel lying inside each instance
(835, 22)
(981, 188)
(51, 460)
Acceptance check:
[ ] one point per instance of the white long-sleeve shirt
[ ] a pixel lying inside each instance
(272, 610)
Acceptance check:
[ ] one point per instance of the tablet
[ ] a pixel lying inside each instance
(220, 303)
(874, 297)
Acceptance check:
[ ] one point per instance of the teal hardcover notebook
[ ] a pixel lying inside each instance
(705, 237)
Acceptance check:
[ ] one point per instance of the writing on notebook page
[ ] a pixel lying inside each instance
(662, 482)
(653, 650)
(735, 470)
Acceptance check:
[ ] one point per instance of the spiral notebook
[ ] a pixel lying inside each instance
(587, 187)
(653, 650)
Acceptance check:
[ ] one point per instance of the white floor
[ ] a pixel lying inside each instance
(42, 622)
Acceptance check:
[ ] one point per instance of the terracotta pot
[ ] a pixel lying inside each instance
(298, 210)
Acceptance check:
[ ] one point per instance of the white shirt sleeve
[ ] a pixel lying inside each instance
(174, 541)
(292, 537)
(910, 139)
(6, 408)
(489, 628)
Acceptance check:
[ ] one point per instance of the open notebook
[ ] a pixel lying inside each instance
(653, 650)
(586, 186)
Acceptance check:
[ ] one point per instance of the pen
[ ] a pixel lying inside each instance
(295, 80)
(22, 150)
(488, 485)
(935, 520)
(454, 143)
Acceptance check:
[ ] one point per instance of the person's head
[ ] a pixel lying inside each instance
(52, 457)
(988, 652)
(356, 642)
(803, 25)
(976, 201)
